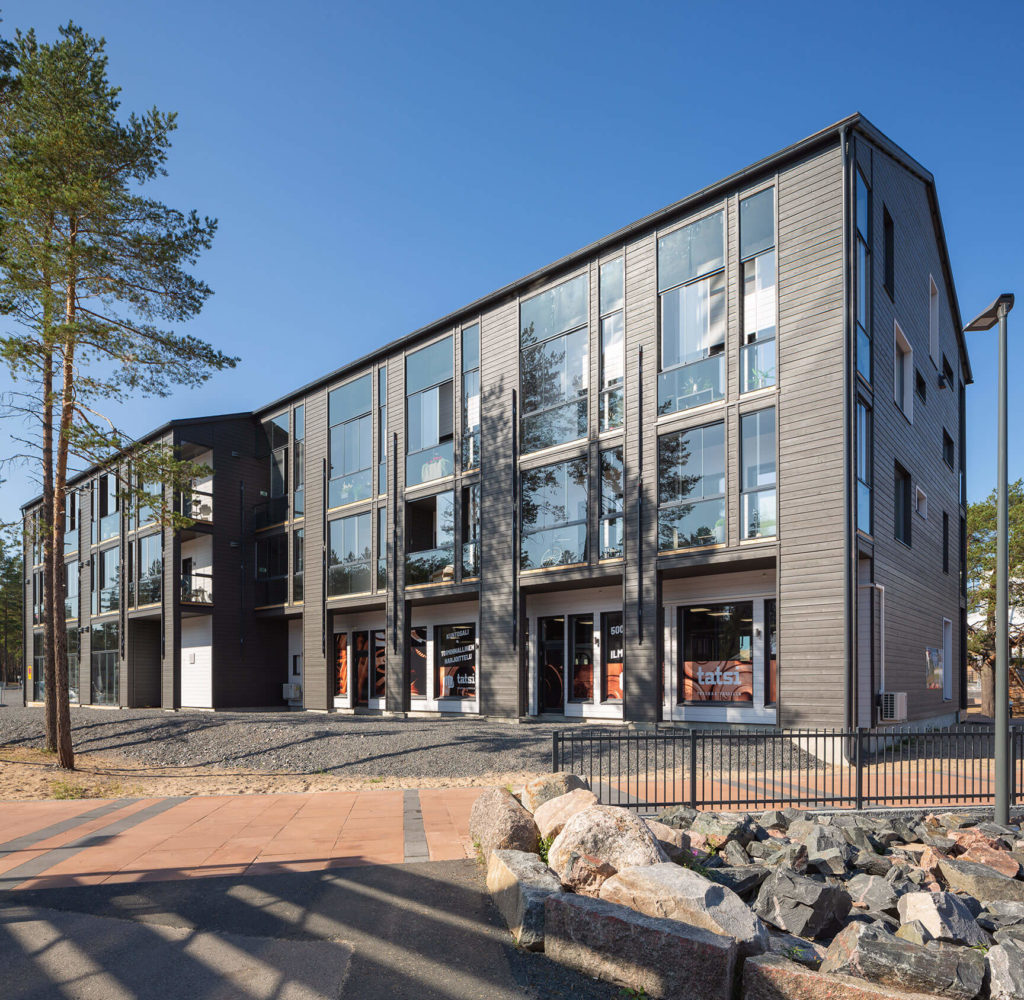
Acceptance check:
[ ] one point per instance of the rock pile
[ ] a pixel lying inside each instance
(786, 904)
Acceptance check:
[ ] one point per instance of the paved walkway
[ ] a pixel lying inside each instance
(45, 845)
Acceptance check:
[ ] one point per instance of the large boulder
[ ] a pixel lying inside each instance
(823, 838)
(616, 836)
(872, 953)
(551, 816)
(980, 881)
(1006, 971)
(773, 977)
(944, 915)
(744, 881)
(681, 894)
(519, 883)
(675, 843)
(1000, 860)
(1001, 914)
(498, 822)
(650, 956)
(550, 786)
(586, 874)
(719, 828)
(871, 892)
(801, 905)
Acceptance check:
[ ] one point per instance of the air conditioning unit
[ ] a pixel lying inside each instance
(894, 706)
(291, 692)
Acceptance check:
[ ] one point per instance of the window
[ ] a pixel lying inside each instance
(430, 434)
(471, 531)
(455, 661)
(106, 578)
(691, 283)
(771, 679)
(612, 656)
(921, 502)
(863, 277)
(948, 449)
(38, 666)
(945, 542)
(554, 515)
(933, 321)
(757, 458)
(947, 373)
(382, 548)
(299, 461)
(105, 673)
(418, 662)
(471, 397)
(903, 372)
(74, 650)
(276, 431)
(920, 386)
(612, 403)
(430, 539)
(71, 521)
(581, 658)
(340, 664)
(271, 570)
(902, 500)
(612, 489)
(38, 597)
(717, 664)
(106, 521)
(382, 431)
(757, 264)
(889, 252)
(348, 555)
(298, 565)
(554, 343)
(691, 487)
(350, 472)
(865, 450)
(151, 568)
(71, 589)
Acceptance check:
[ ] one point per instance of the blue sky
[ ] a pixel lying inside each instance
(376, 165)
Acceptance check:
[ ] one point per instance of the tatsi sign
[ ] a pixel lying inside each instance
(456, 661)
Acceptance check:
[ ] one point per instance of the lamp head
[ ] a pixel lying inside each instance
(988, 318)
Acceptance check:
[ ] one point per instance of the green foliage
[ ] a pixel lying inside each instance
(60, 789)
(11, 595)
(545, 846)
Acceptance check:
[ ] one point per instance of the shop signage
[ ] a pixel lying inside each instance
(456, 661)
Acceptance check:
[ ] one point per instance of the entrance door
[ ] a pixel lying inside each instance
(361, 665)
(582, 658)
(551, 663)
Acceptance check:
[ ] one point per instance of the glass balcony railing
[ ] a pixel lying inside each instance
(272, 511)
(691, 385)
(562, 546)
(430, 464)
(197, 588)
(759, 516)
(348, 578)
(430, 566)
(690, 524)
(758, 365)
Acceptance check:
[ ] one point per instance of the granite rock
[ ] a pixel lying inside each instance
(615, 836)
(552, 815)
(550, 786)
(944, 915)
(1006, 971)
(801, 905)
(980, 881)
(519, 883)
(498, 822)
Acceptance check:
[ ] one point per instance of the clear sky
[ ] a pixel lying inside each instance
(376, 165)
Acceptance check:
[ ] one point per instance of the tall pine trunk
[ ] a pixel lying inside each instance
(49, 557)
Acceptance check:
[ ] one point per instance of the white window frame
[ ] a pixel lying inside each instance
(921, 502)
(901, 348)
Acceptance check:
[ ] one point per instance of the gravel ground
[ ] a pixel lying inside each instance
(365, 746)
(297, 742)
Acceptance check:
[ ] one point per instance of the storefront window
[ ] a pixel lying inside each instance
(380, 662)
(582, 658)
(418, 663)
(340, 664)
(718, 653)
(361, 665)
(455, 661)
(612, 650)
(771, 680)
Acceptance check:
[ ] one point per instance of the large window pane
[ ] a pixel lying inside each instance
(351, 442)
(581, 658)
(349, 553)
(717, 653)
(382, 431)
(299, 461)
(105, 672)
(430, 539)
(71, 592)
(471, 531)
(455, 661)
(757, 223)
(757, 480)
(864, 467)
(554, 515)
(561, 308)
(298, 565)
(429, 420)
(382, 548)
(758, 355)
(612, 486)
(429, 366)
(106, 594)
(151, 564)
(612, 656)
(691, 251)
(691, 487)
(271, 573)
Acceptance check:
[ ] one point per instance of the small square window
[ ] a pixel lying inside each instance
(921, 502)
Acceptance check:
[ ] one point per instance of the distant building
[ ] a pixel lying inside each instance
(708, 469)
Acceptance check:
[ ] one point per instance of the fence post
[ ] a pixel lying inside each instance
(554, 753)
(1013, 766)
(693, 768)
(860, 769)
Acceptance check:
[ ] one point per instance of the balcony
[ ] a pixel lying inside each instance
(430, 566)
(271, 590)
(197, 505)
(197, 588)
(272, 511)
(692, 384)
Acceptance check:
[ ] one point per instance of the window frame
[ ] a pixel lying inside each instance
(903, 390)
(749, 346)
(577, 522)
(749, 491)
(339, 427)
(445, 441)
(903, 505)
(608, 390)
(690, 499)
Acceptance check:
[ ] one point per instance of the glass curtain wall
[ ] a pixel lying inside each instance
(554, 353)
(554, 515)
(691, 487)
(864, 282)
(691, 283)
(757, 266)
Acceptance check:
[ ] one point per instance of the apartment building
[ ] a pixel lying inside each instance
(707, 470)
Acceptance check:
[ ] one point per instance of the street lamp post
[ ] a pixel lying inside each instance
(997, 313)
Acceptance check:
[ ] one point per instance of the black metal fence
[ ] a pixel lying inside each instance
(808, 768)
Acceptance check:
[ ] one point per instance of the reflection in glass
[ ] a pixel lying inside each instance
(611, 402)
(612, 488)
(340, 664)
(430, 450)
(771, 680)
(361, 666)
(692, 251)
(471, 531)
(430, 539)
(581, 658)
(418, 662)
(612, 655)
(691, 487)
(380, 663)
(471, 397)
(554, 515)
(105, 673)
(717, 653)
(757, 479)
(551, 663)
(348, 559)
(455, 661)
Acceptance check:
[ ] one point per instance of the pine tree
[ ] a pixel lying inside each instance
(91, 271)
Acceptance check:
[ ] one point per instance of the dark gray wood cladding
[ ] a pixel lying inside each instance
(826, 575)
